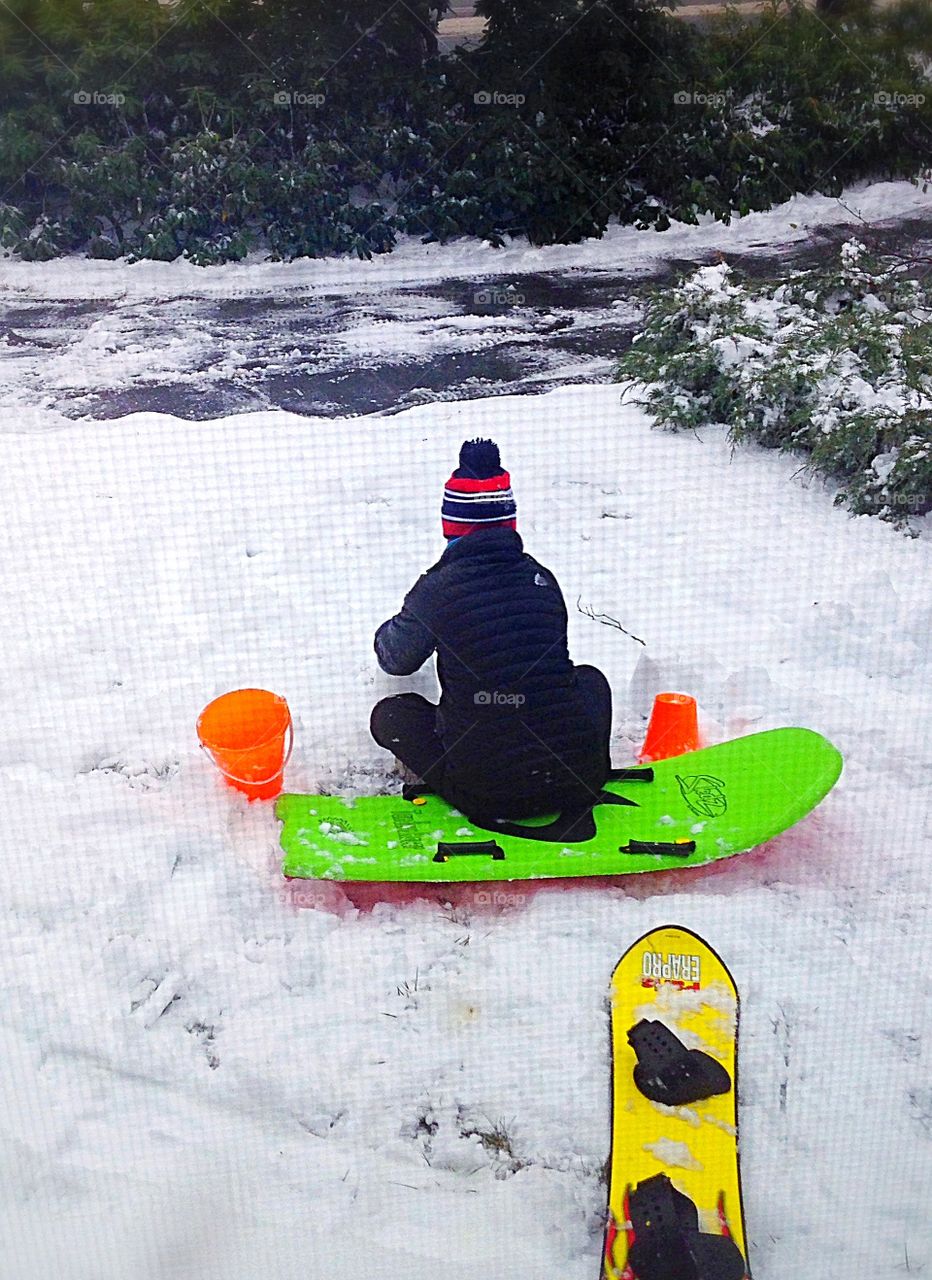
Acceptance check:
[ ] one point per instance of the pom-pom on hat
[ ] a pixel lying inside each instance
(478, 494)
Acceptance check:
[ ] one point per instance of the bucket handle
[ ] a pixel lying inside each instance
(256, 782)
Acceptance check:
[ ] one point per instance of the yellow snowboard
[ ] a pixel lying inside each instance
(671, 977)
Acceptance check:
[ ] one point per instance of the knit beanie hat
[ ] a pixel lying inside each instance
(478, 494)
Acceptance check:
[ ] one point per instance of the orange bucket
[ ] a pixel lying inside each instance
(673, 728)
(245, 734)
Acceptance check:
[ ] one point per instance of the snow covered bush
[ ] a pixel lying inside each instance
(210, 131)
(836, 364)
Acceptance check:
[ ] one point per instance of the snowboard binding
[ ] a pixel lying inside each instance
(575, 824)
(670, 1073)
(667, 1243)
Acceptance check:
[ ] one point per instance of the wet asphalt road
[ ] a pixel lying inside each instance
(369, 351)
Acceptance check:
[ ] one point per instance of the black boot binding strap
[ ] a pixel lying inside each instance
(574, 825)
(668, 1072)
(668, 1244)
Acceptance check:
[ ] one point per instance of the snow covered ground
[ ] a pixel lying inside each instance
(207, 1073)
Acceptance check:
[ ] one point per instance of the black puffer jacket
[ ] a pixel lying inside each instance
(514, 726)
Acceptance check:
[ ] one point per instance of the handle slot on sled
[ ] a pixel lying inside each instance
(643, 774)
(660, 848)
(476, 849)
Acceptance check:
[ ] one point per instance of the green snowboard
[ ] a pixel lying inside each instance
(681, 812)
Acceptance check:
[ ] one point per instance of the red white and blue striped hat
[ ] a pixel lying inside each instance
(478, 494)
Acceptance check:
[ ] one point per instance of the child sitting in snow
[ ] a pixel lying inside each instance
(520, 731)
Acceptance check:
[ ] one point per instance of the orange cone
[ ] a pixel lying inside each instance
(673, 728)
(245, 733)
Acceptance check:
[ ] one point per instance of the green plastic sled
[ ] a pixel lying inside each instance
(682, 812)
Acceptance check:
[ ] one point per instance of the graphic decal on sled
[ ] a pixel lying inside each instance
(705, 796)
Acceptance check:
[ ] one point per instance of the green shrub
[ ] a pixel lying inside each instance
(144, 129)
(836, 365)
